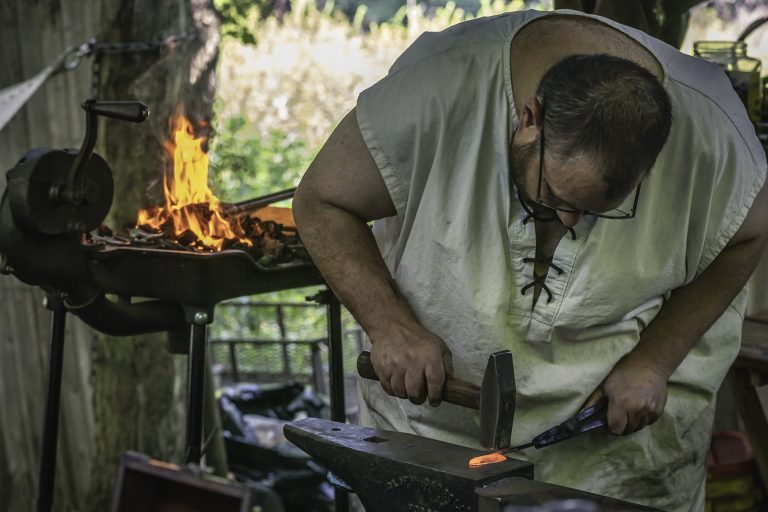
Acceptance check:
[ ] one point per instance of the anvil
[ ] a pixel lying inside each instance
(394, 471)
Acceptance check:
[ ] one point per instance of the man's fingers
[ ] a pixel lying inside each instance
(384, 380)
(640, 423)
(617, 419)
(435, 375)
(397, 384)
(415, 387)
(634, 423)
(447, 363)
(593, 398)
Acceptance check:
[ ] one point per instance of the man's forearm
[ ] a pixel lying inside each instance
(343, 248)
(692, 309)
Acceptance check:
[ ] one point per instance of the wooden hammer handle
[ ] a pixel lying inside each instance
(455, 391)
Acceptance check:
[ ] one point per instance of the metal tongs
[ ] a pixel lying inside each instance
(590, 418)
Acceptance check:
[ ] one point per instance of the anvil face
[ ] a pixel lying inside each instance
(395, 471)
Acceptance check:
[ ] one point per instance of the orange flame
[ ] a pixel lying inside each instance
(190, 205)
(484, 460)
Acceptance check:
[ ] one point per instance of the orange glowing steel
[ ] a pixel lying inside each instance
(483, 460)
(190, 205)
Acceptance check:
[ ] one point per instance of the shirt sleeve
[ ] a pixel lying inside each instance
(727, 166)
(414, 116)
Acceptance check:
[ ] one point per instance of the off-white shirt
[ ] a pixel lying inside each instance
(438, 127)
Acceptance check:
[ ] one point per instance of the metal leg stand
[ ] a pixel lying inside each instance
(336, 357)
(196, 387)
(47, 478)
(336, 363)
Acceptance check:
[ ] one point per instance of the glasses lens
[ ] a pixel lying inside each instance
(558, 208)
(613, 214)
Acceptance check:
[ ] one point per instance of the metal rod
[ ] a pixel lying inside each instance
(196, 386)
(73, 191)
(256, 304)
(284, 345)
(318, 373)
(233, 362)
(47, 478)
(336, 362)
(336, 356)
(247, 341)
(250, 205)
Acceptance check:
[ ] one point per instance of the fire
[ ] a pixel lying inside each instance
(484, 460)
(190, 205)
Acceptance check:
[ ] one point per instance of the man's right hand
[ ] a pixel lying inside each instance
(341, 191)
(412, 363)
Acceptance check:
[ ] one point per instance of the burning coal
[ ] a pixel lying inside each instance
(192, 218)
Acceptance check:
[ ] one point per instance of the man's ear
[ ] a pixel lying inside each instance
(530, 121)
(531, 116)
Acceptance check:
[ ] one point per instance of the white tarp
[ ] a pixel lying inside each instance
(14, 97)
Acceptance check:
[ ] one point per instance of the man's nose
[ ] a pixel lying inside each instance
(569, 219)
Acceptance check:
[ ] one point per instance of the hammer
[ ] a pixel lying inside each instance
(495, 398)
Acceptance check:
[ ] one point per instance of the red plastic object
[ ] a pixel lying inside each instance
(730, 455)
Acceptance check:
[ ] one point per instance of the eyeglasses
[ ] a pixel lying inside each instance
(615, 213)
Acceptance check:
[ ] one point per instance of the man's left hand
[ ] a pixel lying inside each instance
(637, 393)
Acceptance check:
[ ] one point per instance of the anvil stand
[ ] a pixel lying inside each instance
(336, 370)
(198, 319)
(47, 475)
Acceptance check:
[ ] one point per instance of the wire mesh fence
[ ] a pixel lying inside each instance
(254, 341)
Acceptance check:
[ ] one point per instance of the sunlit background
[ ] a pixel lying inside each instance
(285, 80)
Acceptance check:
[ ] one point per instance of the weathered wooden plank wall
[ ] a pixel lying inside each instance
(33, 34)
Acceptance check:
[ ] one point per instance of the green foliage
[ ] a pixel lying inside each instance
(277, 102)
(237, 17)
(246, 163)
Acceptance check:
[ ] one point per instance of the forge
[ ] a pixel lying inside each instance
(126, 284)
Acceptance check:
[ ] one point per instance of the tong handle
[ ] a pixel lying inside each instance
(595, 412)
(589, 419)
(455, 391)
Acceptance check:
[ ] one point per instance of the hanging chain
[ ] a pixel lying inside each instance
(97, 49)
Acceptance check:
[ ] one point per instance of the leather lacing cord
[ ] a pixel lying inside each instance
(537, 279)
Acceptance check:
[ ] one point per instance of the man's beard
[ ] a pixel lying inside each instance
(520, 158)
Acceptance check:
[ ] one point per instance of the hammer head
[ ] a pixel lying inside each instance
(497, 401)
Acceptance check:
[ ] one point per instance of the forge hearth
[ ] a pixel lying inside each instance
(191, 278)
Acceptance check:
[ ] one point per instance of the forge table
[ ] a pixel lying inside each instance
(195, 282)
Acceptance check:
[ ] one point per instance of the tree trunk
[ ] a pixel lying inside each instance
(138, 373)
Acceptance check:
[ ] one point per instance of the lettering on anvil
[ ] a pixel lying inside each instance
(439, 497)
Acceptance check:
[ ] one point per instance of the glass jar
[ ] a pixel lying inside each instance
(742, 70)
